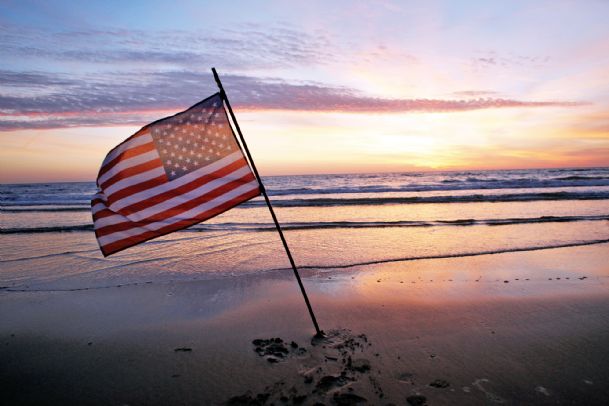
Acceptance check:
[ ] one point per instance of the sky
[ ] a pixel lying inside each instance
(317, 86)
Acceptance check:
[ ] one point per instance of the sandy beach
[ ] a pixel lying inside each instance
(512, 328)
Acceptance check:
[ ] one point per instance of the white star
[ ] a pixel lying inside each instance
(176, 165)
(180, 157)
(169, 162)
(215, 104)
(164, 151)
(184, 168)
(211, 150)
(184, 149)
(207, 158)
(188, 160)
(196, 163)
(168, 144)
(173, 173)
(217, 153)
(173, 154)
(199, 155)
(180, 138)
(192, 152)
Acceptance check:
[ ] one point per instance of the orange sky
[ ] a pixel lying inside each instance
(364, 89)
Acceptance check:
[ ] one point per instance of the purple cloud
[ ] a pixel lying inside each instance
(42, 100)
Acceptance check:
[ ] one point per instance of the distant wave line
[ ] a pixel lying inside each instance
(260, 227)
(364, 201)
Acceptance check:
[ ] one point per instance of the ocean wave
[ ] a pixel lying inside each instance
(473, 198)
(452, 185)
(49, 208)
(361, 201)
(334, 224)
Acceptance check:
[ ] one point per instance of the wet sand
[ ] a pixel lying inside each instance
(513, 328)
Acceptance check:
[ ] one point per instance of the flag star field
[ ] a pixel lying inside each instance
(195, 138)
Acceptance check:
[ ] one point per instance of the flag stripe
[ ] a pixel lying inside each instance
(140, 175)
(126, 164)
(145, 195)
(139, 138)
(143, 209)
(129, 153)
(115, 247)
(175, 212)
(139, 187)
(194, 213)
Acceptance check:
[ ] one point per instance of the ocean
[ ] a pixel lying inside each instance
(333, 223)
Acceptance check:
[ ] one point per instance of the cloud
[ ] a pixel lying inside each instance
(43, 100)
(252, 47)
(493, 59)
(475, 93)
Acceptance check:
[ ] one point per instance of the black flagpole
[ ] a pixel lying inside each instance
(268, 202)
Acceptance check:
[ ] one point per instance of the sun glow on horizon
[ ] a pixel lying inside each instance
(391, 88)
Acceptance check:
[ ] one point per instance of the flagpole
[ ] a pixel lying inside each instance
(319, 333)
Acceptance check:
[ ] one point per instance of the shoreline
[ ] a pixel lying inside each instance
(536, 341)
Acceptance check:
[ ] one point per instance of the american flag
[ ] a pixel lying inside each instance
(171, 174)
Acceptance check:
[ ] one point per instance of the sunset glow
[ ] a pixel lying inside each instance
(317, 88)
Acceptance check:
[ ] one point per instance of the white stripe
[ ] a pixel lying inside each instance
(110, 220)
(188, 196)
(127, 163)
(134, 180)
(97, 207)
(135, 142)
(187, 215)
(183, 180)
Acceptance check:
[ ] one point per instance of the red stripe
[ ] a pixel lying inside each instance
(129, 153)
(140, 187)
(131, 171)
(177, 210)
(102, 214)
(134, 136)
(197, 182)
(96, 200)
(116, 246)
